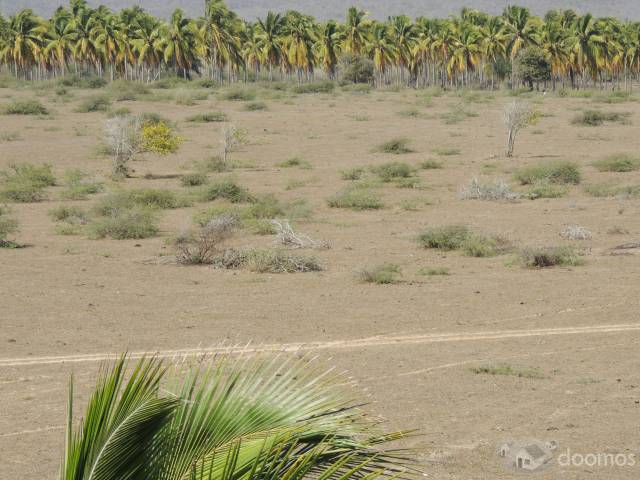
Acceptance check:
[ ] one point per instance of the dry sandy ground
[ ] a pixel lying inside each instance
(412, 345)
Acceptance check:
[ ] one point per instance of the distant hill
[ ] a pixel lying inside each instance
(323, 9)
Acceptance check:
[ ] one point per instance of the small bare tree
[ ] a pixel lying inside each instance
(231, 139)
(122, 136)
(517, 115)
(201, 246)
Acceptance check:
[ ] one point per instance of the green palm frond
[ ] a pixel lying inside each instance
(227, 418)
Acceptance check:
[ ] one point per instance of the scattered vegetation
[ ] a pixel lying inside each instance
(392, 171)
(124, 223)
(433, 271)
(576, 232)
(447, 152)
(460, 237)
(25, 182)
(8, 226)
(387, 273)
(262, 260)
(594, 118)
(202, 245)
(295, 162)
(354, 173)
(397, 146)
(431, 164)
(542, 257)
(226, 189)
(255, 106)
(194, 179)
(97, 103)
(25, 107)
(493, 190)
(208, 117)
(618, 163)
(79, 185)
(356, 199)
(557, 172)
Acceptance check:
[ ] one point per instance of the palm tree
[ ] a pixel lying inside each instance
(108, 37)
(585, 44)
(300, 38)
(148, 44)
(269, 37)
(553, 42)
(23, 44)
(403, 35)
(229, 419)
(356, 29)
(179, 40)
(521, 29)
(328, 47)
(381, 50)
(493, 40)
(59, 39)
(81, 29)
(465, 53)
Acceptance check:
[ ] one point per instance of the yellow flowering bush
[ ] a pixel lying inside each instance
(159, 138)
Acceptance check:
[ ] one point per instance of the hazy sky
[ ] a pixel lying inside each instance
(323, 9)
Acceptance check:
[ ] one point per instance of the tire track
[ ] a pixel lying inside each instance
(377, 341)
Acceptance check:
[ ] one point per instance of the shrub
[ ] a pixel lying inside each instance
(354, 173)
(433, 271)
(122, 90)
(79, 185)
(295, 162)
(385, 274)
(558, 172)
(201, 246)
(392, 170)
(356, 69)
(265, 206)
(618, 163)
(356, 199)
(430, 164)
(119, 112)
(255, 106)
(314, 87)
(482, 246)
(25, 107)
(8, 226)
(190, 98)
(493, 190)
(594, 118)
(545, 189)
(397, 146)
(239, 94)
(517, 115)
(122, 138)
(226, 189)
(194, 179)
(98, 103)
(69, 214)
(447, 152)
(542, 257)
(576, 232)
(450, 237)
(159, 138)
(208, 117)
(267, 261)
(128, 223)
(508, 370)
(154, 198)
(9, 136)
(25, 182)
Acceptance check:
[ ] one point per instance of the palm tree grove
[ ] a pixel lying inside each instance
(290, 248)
(473, 49)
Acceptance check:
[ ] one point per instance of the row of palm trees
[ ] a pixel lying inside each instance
(473, 49)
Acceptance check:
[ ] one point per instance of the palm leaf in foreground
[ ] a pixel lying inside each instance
(227, 418)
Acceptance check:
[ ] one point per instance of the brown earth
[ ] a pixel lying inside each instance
(412, 345)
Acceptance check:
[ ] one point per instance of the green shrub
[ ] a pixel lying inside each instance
(354, 173)
(594, 118)
(8, 226)
(213, 164)
(190, 98)
(545, 189)
(508, 370)
(119, 112)
(153, 118)
(314, 87)
(397, 146)
(194, 179)
(618, 163)
(295, 162)
(356, 199)
(433, 271)
(156, 198)
(122, 90)
(385, 274)
(447, 152)
(79, 185)
(98, 103)
(131, 223)
(450, 237)
(208, 117)
(239, 94)
(482, 246)
(255, 106)
(25, 107)
(226, 189)
(392, 170)
(25, 182)
(430, 164)
(558, 172)
(69, 214)
(542, 257)
(267, 261)
(602, 190)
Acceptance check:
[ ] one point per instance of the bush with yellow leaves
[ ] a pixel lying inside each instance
(159, 138)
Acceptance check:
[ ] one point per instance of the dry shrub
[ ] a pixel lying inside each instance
(201, 246)
(123, 140)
